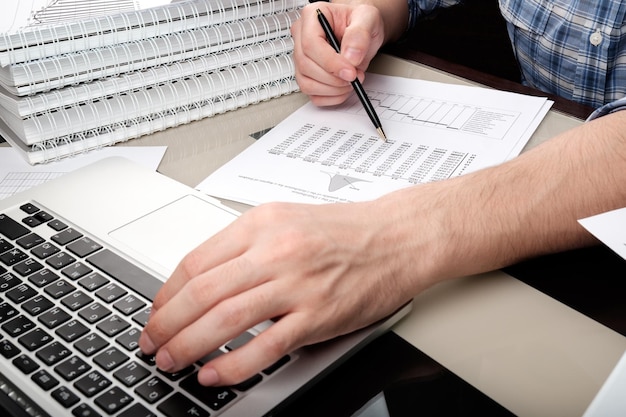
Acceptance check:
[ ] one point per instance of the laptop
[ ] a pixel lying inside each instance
(81, 258)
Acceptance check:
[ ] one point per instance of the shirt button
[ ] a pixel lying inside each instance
(596, 38)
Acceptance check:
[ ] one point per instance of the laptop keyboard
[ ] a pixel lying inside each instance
(71, 311)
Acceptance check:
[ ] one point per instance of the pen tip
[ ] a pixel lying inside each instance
(382, 134)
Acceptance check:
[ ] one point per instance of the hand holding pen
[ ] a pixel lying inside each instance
(356, 84)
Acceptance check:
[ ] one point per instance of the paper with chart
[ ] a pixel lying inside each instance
(435, 131)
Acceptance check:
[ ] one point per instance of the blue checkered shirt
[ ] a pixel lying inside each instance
(575, 49)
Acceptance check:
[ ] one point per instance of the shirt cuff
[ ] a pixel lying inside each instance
(611, 107)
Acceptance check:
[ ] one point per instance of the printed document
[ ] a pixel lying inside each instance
(435, 131)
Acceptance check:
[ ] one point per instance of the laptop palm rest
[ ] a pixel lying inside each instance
(167, 234)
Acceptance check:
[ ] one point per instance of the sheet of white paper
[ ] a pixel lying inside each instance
(16, 174)
(609, 228)
(19, 14)
(435, 131)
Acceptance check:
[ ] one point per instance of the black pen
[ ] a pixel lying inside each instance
(356, 84)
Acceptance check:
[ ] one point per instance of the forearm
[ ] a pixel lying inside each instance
(525, 207)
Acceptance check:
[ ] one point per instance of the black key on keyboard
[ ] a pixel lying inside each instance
(72, 330)
(29, 208)
(10, 228)
(7, 311)
(60, 260)
(8, 281)
(54, 317)
(66, 236)
(131, 374)
(27, 267)
(110, 358)
(111, 292)
(129, 339)
(44, 250)
(137, 410)
(37, 305)
(31, 221)
(25, 364)
(8, 349)
(179, 405)
(57, 225)
(83, 247)
(129, 304)
(113, 400)
(5, 245)
(30, 241)
(113, 325)
(17, 326)
(278, 364)
(54, 353)
(214, 397)
(59, 288)
(43, 277)
(154, 389)
(35, 339)
(126, 272)
(21, 293)
(94, 312)
(93, 281)
(72, 368)
(84, 410)
(76, 300)
(91, 344)
(13, 256)
(92, 383)
(44, 379)
(65, 396)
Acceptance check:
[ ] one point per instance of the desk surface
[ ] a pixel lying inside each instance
(529, 352)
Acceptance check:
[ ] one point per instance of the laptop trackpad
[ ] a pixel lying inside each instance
(170, 232)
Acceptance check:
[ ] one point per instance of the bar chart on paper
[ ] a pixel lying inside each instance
(343, 150)
(434, 132)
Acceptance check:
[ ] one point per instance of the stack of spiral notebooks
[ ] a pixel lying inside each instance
(76, 75)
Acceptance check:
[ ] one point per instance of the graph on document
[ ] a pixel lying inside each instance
(488, 122)
(345, 155)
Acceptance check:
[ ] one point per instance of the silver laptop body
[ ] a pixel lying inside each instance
(145, 222)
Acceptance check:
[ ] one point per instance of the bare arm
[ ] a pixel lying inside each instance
(326, 270)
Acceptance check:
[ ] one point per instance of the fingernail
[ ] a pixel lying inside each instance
(146, 344)
(208, 377)
(164, 360)
(346, 75)
(353, 55)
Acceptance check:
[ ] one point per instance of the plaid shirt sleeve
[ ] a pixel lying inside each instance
(612, 107)
(421, 8)
(573, 49)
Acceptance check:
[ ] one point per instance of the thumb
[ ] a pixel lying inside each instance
(363, 36)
